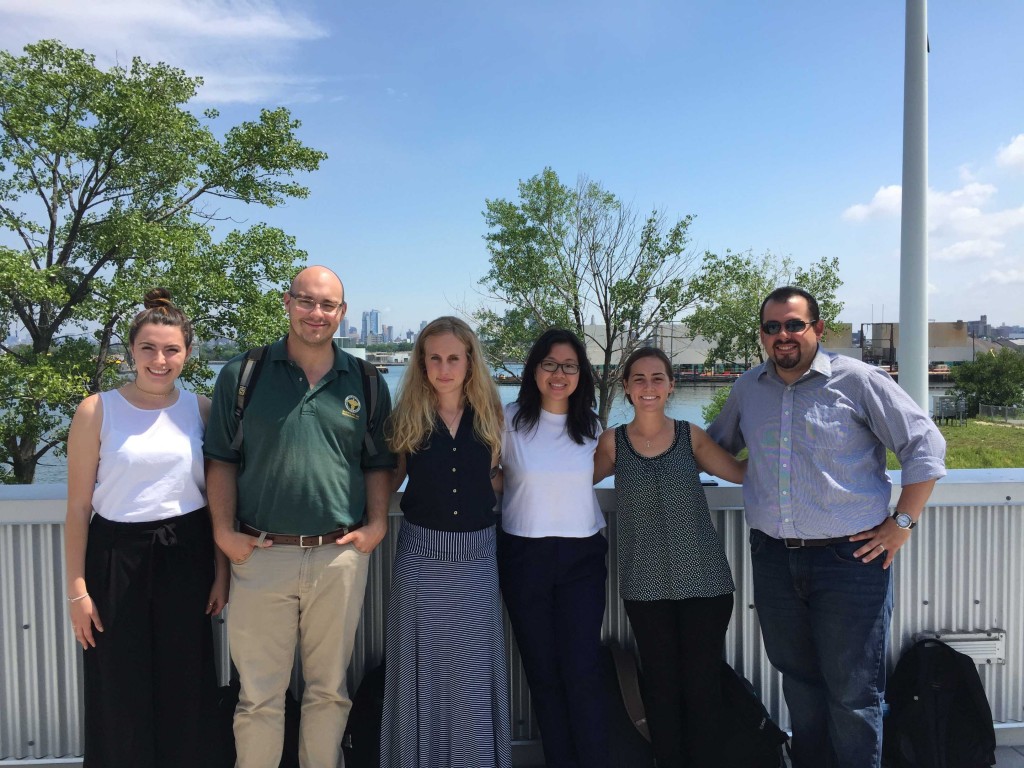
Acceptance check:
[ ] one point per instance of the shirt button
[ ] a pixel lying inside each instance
(784, 465)
(455, 512)
(455, 490)
(453, 469)
(785, 439)
(785, 493)
(454, 450)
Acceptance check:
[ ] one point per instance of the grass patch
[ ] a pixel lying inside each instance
(979, 445)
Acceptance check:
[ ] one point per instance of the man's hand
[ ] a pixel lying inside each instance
(365, 538)
(885, 539)
(238, 546)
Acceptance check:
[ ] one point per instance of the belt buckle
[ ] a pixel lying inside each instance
(798, 545)
(319, 541)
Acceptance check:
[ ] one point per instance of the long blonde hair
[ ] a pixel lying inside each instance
(415, 412)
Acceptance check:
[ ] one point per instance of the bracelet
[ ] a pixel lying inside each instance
(76, 599)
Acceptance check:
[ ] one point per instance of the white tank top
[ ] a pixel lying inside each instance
(151, 461)
(549, 480)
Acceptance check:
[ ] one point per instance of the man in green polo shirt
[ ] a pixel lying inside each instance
(311, 504)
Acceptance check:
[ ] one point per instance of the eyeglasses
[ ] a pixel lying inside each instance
(773, 327)
(569, 369)
(306, 304)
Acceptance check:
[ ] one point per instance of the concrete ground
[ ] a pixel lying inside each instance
(1006, 757)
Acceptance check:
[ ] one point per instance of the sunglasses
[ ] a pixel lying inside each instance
(773, 327)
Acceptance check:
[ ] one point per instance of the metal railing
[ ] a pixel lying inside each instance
(962, 571)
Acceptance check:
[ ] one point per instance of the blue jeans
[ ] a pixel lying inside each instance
(825, 620)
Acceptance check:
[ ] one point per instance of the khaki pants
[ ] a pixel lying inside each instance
(280, 596)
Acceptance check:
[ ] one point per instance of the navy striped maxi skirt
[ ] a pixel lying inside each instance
(446, 689)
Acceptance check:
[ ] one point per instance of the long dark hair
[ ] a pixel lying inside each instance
(582, 422)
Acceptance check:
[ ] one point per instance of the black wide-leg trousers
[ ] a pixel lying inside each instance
(150, 681)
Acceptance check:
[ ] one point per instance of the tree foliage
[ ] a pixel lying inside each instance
(579, 258)
(992, 379)
(110, 186)
(714, 407)
(729, 289)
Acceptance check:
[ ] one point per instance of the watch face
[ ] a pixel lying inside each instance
(903, 520)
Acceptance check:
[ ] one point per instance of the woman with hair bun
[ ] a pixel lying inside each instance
(446, 688)
(143, 575)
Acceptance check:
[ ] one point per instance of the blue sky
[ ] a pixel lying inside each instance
(778, 125)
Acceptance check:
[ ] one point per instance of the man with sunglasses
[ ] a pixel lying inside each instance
(310, 495)
(816, 494)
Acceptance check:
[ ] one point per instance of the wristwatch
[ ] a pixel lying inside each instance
(903, 520)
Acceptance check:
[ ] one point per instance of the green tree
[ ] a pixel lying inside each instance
(714, 407)
(729, 290)
(109, 186)
(579, 258)
(992, 379)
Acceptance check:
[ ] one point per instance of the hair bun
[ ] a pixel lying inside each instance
(158, 297)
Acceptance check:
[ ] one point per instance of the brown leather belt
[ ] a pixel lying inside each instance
(801, 543)
(300, 541)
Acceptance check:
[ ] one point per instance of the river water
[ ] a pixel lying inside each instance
(686, 403)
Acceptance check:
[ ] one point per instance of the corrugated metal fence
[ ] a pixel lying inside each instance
(962, 571)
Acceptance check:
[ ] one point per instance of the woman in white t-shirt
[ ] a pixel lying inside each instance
(551, 556)
(143, 578)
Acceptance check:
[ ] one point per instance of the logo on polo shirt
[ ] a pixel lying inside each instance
(352, 407)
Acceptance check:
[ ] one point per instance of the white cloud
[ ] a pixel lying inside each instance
(1004, 277)
(1012, 155)
(966, 173)
(240, 47)
(887, 201)
(955, 215)
(969, 249)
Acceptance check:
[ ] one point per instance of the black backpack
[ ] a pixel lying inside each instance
(939, 716)
(629, 742)
(362, 733)
(753, 739)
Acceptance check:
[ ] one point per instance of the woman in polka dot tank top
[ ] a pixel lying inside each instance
(674, 576)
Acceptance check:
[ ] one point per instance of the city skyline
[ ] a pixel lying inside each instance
(778, 126)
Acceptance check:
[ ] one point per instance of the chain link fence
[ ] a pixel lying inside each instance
(1006, 414)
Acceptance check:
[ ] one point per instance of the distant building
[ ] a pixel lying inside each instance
(371, 325)
(979, 329)
(947, 342)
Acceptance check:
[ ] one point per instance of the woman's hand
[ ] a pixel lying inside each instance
(84, 617)
(218, 594)
(221, 583)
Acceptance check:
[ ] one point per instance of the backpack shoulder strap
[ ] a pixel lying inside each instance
(629, 687)
(251, 367)
(371, 382)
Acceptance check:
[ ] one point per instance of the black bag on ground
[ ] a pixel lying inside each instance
(753, 740)
(629, 743)
(939, 716)
(222, 749)
(362, 734)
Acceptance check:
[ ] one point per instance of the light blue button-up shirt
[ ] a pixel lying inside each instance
(817, 446)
